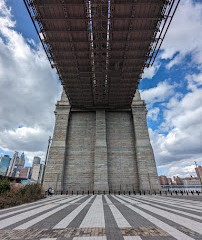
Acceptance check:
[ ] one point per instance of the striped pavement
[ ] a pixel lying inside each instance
(104, 217)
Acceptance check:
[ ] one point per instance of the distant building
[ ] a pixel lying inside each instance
(170, 182)
(4, 165)
(13, 161)
(191, 181)
(163, 180)
(36, 160)
(199, 171)
(26, 172)
(19, 165)
(22, 159)
(37, 170)
(178, 180)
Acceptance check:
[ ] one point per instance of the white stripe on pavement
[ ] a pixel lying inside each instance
(32, 207)
(132, 238)
(119, 218)
(182, 200)
(19, 217)
(146, 201)
(90, 238)
(179, 203)
(32, 203)
(48, 239)
(169, 203)
(164, 226)
(45, 215)
(95, 215)
(69, 218)
(186, 222)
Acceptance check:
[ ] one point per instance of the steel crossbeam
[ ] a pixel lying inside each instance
(100, 48)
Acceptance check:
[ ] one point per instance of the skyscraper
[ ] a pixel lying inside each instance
(22, 159)
(12, 164)
(19, 164)
(36, 160)
(16, 165)
(4, 165)
(37, 170)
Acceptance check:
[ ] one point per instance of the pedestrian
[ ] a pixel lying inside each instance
(50, 191)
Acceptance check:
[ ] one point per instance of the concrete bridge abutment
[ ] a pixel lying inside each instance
(101, 150)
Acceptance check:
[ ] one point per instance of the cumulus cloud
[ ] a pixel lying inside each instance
(177, 142)
(184, 35)
(160, 93)
(29, 89)
(185, 171)
(151, 71)
(179, 138)
(153, 113)
(194, 81)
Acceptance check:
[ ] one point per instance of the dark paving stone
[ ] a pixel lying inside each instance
(134, 219)
(57, 204)
(112, 229)
(171, 210)
(52, 220)
(33, 204)
(79, 218)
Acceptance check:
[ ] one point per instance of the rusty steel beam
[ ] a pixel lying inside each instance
(131, 51)
(96, 31)
(84, 19)
(89, 44)
(123, 2)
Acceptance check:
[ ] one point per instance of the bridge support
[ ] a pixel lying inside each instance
(54, 168)
(100, 158)
(101, 150)
(147, 172)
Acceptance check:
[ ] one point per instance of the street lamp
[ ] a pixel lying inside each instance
(47, 152)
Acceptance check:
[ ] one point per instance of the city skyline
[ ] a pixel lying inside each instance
(14, 167)
(37, 160)
(171, 89)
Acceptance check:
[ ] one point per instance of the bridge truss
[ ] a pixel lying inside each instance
(101, 47)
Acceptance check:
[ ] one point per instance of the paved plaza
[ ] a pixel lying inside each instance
(105, 217)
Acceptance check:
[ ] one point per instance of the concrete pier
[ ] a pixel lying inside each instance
(101, 150)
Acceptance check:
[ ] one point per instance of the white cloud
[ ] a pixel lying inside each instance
(182, 120)
(26, 138)
(153, 113)
(151, 71)
(194, 81)
(159, 93)
(182, 172)
(184, 34)
(29, 89)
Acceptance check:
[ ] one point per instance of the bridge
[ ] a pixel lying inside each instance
(100, 48)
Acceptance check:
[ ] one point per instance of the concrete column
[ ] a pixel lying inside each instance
(100, 159)
(54, 169)
(145, 157)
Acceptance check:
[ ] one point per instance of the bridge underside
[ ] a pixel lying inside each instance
(100, 47)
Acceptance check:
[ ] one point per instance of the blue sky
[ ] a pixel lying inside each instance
(171, 89)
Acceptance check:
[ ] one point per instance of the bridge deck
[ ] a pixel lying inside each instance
(100, 48)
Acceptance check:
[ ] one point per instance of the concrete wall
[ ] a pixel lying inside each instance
(79, 161)
(122, 163)
(147, 171)
(54, 168)
(101, 150)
